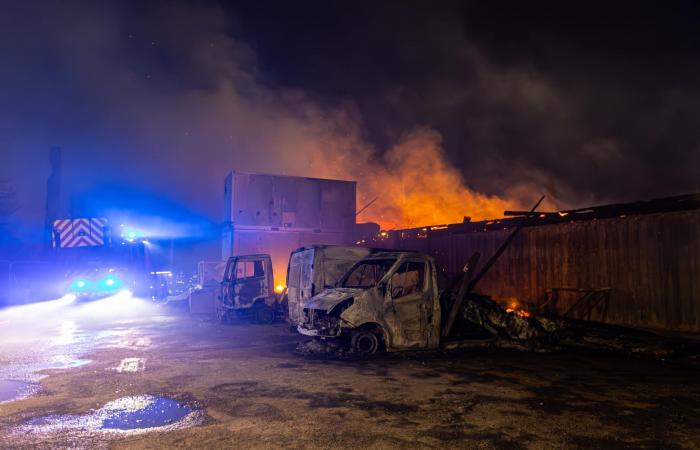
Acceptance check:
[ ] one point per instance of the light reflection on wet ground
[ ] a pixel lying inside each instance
(132, 415)
(131, 365)
(57, 334)
(14, 389)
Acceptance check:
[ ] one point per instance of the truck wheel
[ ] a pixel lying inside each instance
(365, 343)
(264, 315)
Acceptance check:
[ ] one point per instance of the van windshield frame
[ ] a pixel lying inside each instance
(367, 273)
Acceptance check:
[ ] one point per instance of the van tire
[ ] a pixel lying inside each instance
(365, 343)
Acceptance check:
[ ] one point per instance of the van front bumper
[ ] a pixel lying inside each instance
(307, 332)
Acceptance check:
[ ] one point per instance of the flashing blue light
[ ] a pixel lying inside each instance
(131, 235)
(78, 285)
(110, 283)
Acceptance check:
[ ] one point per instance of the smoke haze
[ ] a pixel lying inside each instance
(429, 113)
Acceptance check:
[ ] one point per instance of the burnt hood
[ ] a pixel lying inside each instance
(330, 298)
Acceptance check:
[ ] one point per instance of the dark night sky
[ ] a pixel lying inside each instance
(592, 102)
(603, 97)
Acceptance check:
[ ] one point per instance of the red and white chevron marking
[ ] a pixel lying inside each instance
(79, 232)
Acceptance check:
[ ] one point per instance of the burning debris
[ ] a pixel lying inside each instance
(515, 328)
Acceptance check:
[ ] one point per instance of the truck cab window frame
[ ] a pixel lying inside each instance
(249, 269)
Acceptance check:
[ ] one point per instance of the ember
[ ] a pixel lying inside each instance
(520, 312)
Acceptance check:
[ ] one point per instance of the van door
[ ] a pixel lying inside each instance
(227, 295)
(299, 283)
(409, 294)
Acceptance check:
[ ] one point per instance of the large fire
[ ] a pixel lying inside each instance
(413, 184)
(418, 187)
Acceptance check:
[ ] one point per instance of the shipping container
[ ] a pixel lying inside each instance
(275, 214)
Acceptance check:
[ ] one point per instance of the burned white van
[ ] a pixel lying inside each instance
(315, 268)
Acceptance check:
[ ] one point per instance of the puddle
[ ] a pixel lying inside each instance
(11, 390)
(152, 412)
(134, 414)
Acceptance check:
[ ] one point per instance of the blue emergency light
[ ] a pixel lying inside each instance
(110, 283)
(79, 285)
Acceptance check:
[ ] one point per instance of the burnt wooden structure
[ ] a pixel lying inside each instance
(634, 264)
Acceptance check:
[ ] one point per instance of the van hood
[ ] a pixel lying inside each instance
(330, 298)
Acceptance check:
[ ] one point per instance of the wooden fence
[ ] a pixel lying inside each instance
(650, 263)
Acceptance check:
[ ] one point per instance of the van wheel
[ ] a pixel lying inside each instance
(264, 315)
(365, 343)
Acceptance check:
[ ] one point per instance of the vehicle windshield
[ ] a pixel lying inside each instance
(367, 273)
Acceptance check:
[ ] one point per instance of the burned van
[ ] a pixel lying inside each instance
(388, 299)
(315, 268)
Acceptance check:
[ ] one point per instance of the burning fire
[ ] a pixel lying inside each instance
(520, 312)
(419, 187)
(279, 288)
(514, 308)
(414, 184)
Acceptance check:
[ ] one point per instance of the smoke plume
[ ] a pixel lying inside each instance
(434, 121)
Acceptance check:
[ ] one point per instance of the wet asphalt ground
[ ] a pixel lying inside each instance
(124, 373)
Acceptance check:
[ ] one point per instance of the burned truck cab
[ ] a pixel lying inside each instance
(388, 300)
(247, 289)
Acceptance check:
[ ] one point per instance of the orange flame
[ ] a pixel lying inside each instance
(413, 183)
(520, 312)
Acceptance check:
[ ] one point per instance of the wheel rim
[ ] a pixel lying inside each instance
(366, 344)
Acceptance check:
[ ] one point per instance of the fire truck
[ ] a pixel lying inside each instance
(96, 262)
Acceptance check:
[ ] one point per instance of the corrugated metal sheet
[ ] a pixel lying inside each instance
(651, 262)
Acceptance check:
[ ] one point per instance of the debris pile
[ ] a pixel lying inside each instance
(508, 328)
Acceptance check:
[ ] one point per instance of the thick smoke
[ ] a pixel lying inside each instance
(161, 97)
(170, 102)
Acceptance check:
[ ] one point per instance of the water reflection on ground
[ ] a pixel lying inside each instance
(15, 389)
(57, 334)
(133, 414)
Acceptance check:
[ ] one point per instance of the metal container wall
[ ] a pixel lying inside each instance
(276, 214)
(289, 202)
(651, 263)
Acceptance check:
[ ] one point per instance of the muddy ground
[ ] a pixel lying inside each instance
(255, 392)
